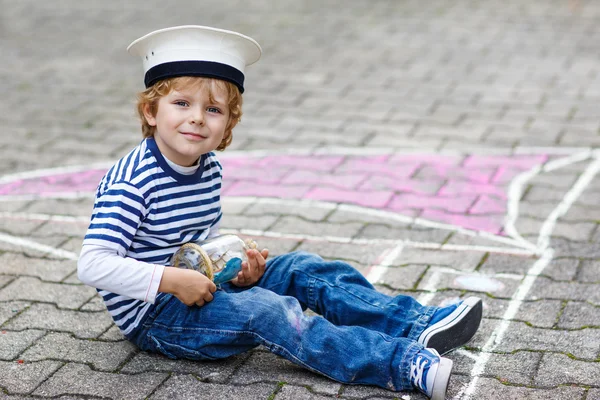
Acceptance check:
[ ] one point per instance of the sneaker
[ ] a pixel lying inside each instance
(453, 326)
(430, 373)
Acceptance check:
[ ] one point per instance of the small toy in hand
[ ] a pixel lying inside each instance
(219, 258)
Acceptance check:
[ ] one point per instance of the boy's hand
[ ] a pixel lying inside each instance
(189, 286)
(252, 270)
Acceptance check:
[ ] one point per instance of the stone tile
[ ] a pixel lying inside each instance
(19, 378)
(405, 277)
(362, 254)
(11, 309)
(582, 344)
(463, 261)
(289, 392)
(48, 270)
(563, 269)
(113, 334)
(589, 272)
(5, 280)
(516, 369)
(442, 278)
(577, 315)
(247, 222)
(32, 289)
(544, 288)
(300, 209)
(380, 231)
(490, 388)
(375, 393)
(559, 369)
(85, 325)
(344, 213)
(94, 304)
(103, 356)
(12, 343)
(208, 371)
(593, 394)
(92, 383)
(295, 225)
(182, 387)
(540, 313)
(267, 367)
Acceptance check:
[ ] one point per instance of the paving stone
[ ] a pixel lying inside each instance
(590, 271)
(92, 383)
(48, 270)
(85, 325)
(544, 288)
(593, 394)
(103, 356)
(12, 343)
(364, 255)
(540, 313)
(577, 315)
(516, 369)
(113, 334)
(559, 369)
(300, 226)
(405, 277)
(182, 387)
(267, 367)
(446, 278)
(369, 392)
(94, 304)
(32, 289)
(463, 261)
(582, 344)
(558, 269)
(213, 371)
(245, 222)
(289, 392)
(344, 214)
(378, 231)
(490, 388)
(5, 281)
(19, 378)
(11, 309)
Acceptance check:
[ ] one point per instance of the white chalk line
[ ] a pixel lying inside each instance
(371, 242)
(42, 248)
(538, 267)
(377, 271)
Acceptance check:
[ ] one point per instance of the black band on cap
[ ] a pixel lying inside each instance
(208, 69)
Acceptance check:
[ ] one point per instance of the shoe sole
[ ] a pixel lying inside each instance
(456, 329)
(440, 385)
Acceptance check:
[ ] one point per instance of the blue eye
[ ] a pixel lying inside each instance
(181, 103)
(213, 110)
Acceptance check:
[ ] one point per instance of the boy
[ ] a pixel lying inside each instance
(166, 192)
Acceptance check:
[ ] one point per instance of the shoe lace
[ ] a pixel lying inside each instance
(416, 372)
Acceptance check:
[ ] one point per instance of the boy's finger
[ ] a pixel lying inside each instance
(265, 253)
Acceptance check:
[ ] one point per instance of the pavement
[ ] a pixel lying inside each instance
(442, 148)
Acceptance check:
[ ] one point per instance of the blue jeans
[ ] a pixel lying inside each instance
(362, 337)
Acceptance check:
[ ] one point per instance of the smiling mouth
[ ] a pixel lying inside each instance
(192, 135)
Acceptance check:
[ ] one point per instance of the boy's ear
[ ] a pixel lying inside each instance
(148, 115)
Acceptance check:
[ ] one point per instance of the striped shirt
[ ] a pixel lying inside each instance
(145, 210)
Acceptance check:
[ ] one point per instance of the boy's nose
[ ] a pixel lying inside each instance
(197, 117)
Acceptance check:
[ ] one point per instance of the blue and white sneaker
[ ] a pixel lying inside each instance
(430, 373)
(453, 326)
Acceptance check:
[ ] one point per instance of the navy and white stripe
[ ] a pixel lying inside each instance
(146, 210)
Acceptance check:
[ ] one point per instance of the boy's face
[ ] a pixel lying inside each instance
(188, 124)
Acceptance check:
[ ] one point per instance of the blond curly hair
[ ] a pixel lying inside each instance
(149, 98)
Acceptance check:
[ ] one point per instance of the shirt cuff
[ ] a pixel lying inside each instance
(154, 283)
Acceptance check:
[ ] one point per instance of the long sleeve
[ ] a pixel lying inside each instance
(103, 268)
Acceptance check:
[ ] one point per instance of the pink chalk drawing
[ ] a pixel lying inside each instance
(469, 191)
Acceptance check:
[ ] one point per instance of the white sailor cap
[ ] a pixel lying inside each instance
(193, 50)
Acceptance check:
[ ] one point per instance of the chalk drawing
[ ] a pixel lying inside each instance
(470, 194)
